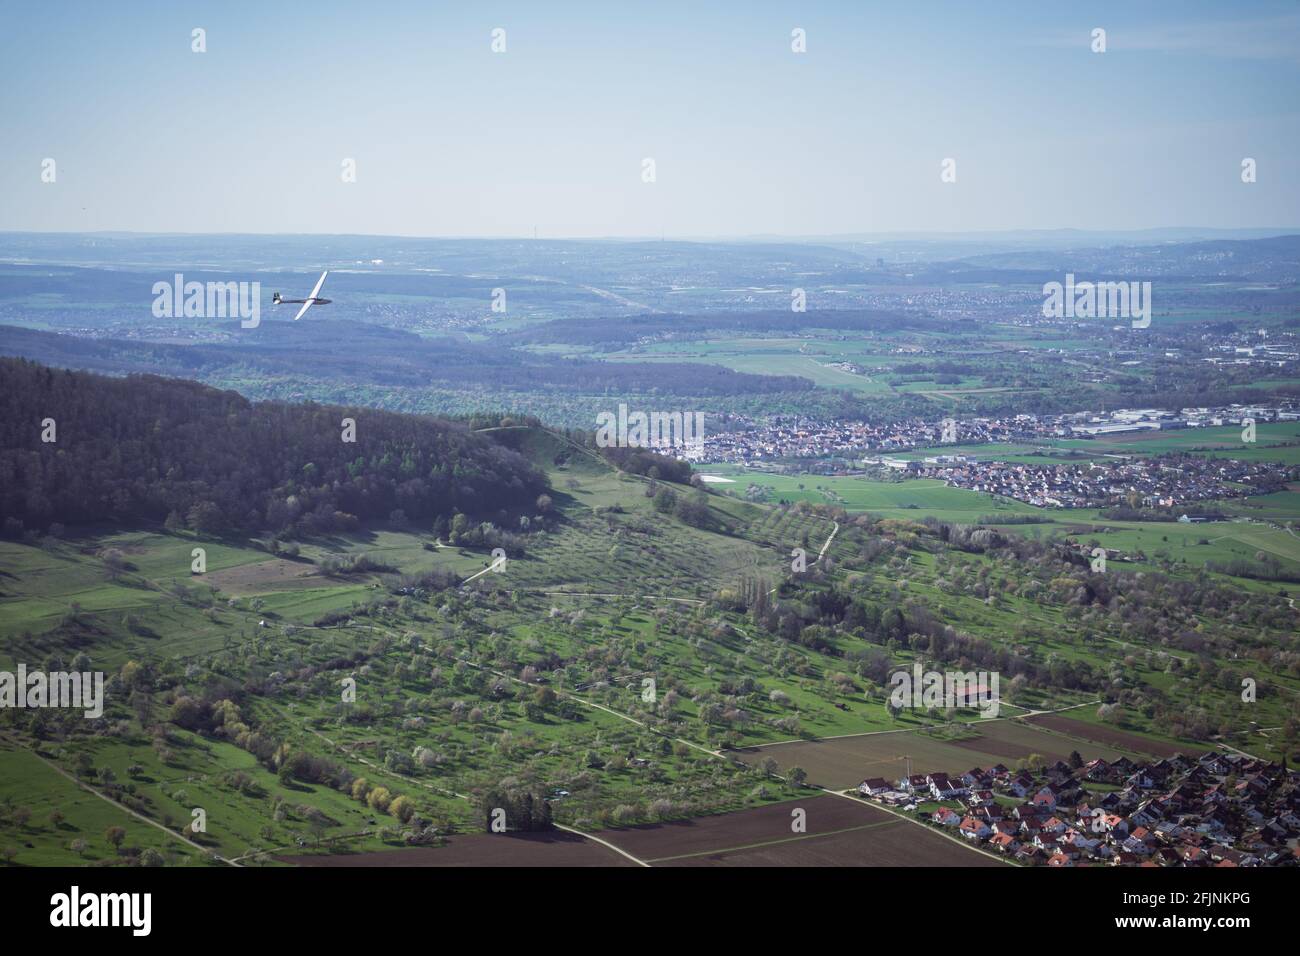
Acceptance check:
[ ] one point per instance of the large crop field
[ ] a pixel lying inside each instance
(836, 832)
(839, 832)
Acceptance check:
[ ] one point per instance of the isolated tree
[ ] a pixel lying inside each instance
(403, 808)
(114, 563)
(131, 671)
(665, 501)
(115, 836)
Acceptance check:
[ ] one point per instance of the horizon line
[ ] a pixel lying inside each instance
(1271, 231)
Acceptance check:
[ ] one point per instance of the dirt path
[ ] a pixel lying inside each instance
(605, 843)
(107, 799)
(834, 531)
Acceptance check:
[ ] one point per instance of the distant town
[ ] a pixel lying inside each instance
(834, 447)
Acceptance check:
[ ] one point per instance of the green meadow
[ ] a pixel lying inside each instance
(910, 498)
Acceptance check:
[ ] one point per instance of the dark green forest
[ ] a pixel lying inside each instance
(149, 449)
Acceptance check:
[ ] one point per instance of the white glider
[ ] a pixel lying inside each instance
(308, 302)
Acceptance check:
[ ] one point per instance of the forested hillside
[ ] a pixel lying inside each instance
(146, 448)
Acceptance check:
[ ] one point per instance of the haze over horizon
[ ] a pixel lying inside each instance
(1150, 233)
(749, 138)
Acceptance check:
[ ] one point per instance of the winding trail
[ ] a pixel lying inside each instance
(125, 809)
(605, 843)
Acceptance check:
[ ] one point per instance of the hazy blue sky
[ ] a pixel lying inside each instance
(748, 137)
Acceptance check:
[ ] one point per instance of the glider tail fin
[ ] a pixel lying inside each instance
(275, 299)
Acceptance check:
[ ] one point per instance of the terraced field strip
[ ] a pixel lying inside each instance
(612, 594)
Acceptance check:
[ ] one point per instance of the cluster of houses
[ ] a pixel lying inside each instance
(1158, 482)
(753, 441)
(1212, 810)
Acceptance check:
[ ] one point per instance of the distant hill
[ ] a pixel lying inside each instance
(144, 448)
(1275, 259)
(629, 331)
(357, 353)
